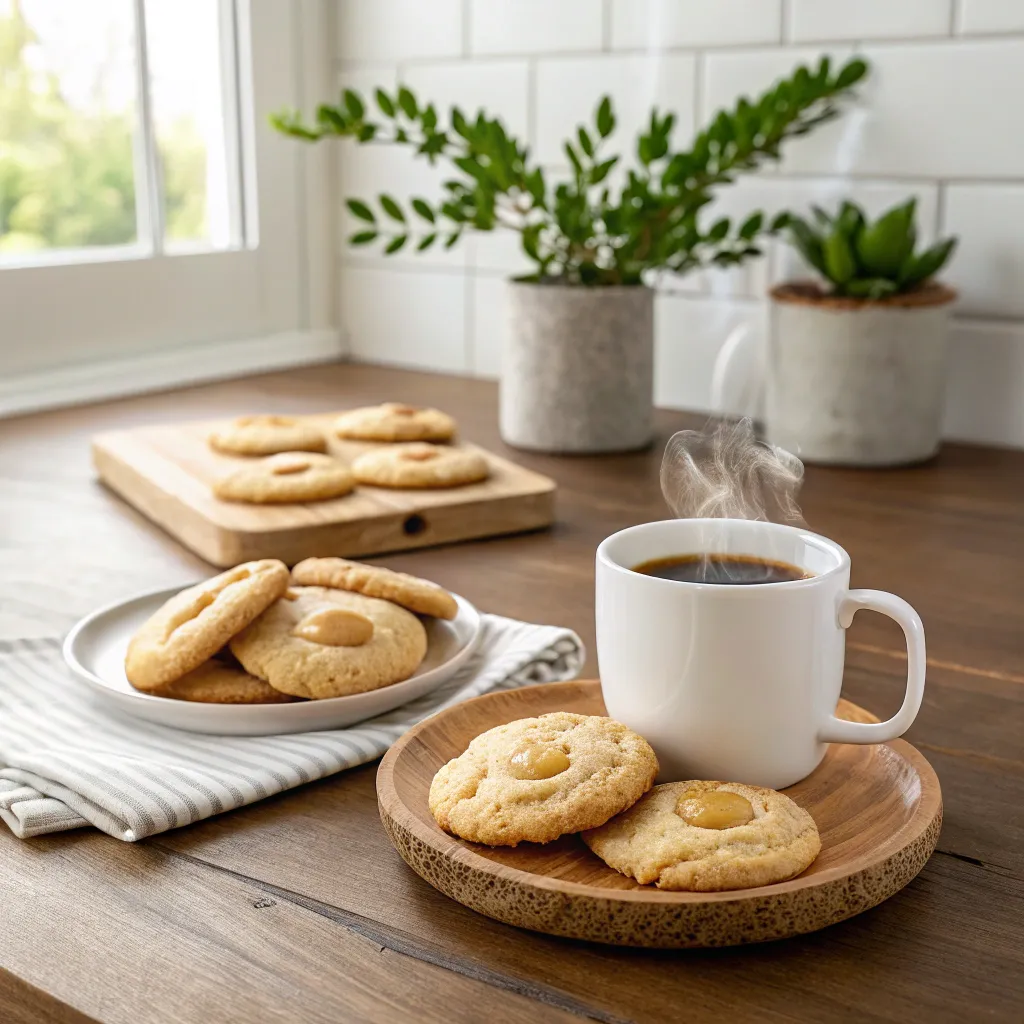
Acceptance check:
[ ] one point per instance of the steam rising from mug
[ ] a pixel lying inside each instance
(725, 472)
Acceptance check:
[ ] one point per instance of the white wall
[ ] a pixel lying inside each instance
(942, 117)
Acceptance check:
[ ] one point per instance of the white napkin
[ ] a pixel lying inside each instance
(65, 763)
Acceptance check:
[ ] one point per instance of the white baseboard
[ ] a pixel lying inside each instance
(167, 368)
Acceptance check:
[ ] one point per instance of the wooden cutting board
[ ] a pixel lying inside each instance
(166, 473)
(878, 809)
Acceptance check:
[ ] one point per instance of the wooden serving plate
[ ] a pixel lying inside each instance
(166, 472)
(878, 809)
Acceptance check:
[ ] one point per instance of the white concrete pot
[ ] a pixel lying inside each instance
(577, 368)
(857, 382)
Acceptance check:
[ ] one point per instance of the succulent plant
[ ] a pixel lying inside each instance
(867, 259)
(592, 227)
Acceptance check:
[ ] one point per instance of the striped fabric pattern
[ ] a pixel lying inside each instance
(66, 762)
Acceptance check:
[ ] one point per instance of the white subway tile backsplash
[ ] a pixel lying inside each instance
(938, 113)
(534, 26)
(569, 89)
(988, 266)
(656, 24)
(499, 87)
(489, 324)
(918, 115)
(688, 336)
(991, 16)
(405, 318)
(814, 20)
(383, 31)
(985, 392)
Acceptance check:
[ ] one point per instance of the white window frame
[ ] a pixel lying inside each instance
(95, 324)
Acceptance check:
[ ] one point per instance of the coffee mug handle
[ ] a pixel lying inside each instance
(836, 730)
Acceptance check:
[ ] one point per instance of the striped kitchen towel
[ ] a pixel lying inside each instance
(65, 762)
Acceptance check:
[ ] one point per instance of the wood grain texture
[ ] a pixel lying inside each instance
(167, 473)
(878, 810)
(949, 537)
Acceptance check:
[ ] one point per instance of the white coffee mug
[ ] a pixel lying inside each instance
(737, 682)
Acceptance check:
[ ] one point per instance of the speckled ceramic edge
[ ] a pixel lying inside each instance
(653, 918)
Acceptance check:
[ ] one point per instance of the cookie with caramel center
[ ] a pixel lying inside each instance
(536, 779)
(708, 837)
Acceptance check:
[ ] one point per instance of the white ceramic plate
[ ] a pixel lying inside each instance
(95, 649)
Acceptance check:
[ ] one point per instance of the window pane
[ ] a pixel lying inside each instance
(188, 102)
(67, 118)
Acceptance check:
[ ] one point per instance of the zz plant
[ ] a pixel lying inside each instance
(605, 224)
(867, 259)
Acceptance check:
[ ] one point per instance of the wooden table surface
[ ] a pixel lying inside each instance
(297, 908)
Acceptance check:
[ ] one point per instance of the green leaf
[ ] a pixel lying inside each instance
(384, 102)
(426, 242)
(807, 242)
(573, 158)
(391, 208)
(605, 117)
(531, 239)
(423, 209)
(362, 237)
(452, 239)
(928, 263)
(585, 144)
(719, 230)
(840, 265)
(852, 73)
(821, 216)
(883, 247)
(601, 170)
(751, 226)
(330, 117)
(535, 186)
(779, 223)
(429, 118)
(459, 123)
(366, 132)
(869, 287)
(851, 220)
(361, 210)
(354, 105)
(824, 69)
(395, 244)
(407, 102)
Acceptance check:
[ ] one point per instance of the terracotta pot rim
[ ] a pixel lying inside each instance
(810, 293)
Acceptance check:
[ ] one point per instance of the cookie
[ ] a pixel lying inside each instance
(394, 421)
(267, 435)
(196, 623)
(287, 477)
(708, 837)
(536, 779)
(330, 643)
(420, 465)
(420, 596)
(216, 683)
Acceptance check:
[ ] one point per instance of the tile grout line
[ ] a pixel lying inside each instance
(606, 26)
(785, 22)
(467, 35)
(715, 49)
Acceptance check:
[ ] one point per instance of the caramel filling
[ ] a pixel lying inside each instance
(419, 455)
(716, 808)
(402, 410)
(291, 464)
(538, 762)
(335, 627)
(269, 421)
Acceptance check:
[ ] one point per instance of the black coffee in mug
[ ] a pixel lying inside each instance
(725, 569)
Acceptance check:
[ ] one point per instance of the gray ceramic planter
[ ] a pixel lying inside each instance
(854, 382)
(577, 369)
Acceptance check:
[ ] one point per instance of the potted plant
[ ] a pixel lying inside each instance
(856, 368)
(577, 369)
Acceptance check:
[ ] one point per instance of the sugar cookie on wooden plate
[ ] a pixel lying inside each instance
(420, 466)
(394, 421)
(708, 837)
(288, 477)
(267, 435)
(536, 779)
